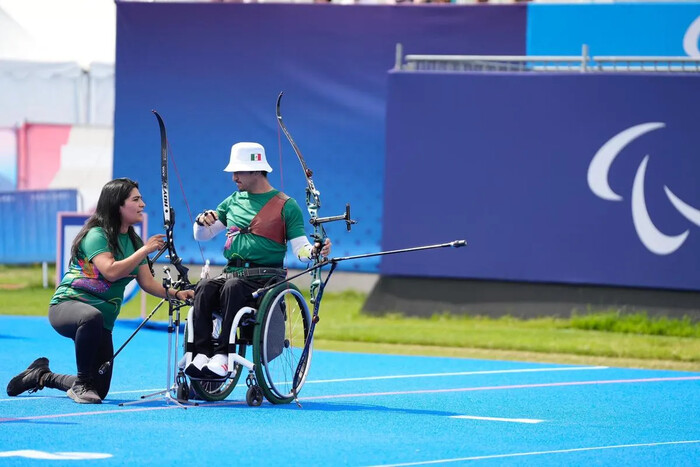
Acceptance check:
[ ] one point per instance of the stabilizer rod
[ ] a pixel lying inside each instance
(453, 244)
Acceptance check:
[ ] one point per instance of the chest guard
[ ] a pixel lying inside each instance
(268, 222)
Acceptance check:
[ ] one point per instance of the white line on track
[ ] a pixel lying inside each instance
(38, 398)
(537, 453)
(136, 390)
(114, 411)
(375, 394)
(375, 378)
(462, 373)
(494, 388)
(497, 419)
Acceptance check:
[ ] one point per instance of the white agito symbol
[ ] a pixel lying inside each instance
(691, 37)
(656, 241)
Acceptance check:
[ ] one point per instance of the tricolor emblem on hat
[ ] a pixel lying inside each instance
(247, 157)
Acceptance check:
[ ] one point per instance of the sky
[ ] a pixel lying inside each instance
(83, 31)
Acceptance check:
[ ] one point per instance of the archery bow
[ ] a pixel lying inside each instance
(168, 212)
(313, 204)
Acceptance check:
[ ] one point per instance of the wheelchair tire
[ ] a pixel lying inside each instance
(283, 322)
(216, 390)
(254, 396)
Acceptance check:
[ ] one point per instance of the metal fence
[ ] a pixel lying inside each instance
(583, 63)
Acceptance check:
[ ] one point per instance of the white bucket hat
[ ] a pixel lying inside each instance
(247, 157)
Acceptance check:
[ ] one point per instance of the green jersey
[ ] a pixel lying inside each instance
(238, 210)
(84, 282)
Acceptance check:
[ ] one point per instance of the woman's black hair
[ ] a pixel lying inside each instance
(107, 216)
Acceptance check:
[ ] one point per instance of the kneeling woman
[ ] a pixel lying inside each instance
(106, 255)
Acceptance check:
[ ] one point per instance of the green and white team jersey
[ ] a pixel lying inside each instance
(83, 281)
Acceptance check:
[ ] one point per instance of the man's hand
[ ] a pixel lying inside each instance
(207, 218)
(325, 250)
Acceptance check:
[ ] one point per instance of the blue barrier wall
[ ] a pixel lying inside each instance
(671, 29)
(506, 161)
(214, 70)
(28, 227)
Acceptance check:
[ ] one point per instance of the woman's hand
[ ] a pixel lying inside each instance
(154, 243)
(187, 294)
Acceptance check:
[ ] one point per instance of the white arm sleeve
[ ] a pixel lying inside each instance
(302, 248)
(204, 233)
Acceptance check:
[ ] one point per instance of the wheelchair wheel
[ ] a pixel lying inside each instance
(217, 390)
(254, 396)
(283, 322)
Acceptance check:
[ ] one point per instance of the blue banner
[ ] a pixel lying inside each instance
(214, 70)
(575, 178)
(667, 29)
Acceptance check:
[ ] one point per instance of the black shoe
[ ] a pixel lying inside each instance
(209, 375)
(29, 379)
(193, 372)
(83, 393)
(194, 369)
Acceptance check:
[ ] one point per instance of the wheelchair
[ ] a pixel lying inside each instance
(276, 330)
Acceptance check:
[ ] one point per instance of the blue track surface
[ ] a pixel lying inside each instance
(358, 409)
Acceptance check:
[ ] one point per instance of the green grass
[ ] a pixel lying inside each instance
(636, 323)
(343, 321)
(609, 338)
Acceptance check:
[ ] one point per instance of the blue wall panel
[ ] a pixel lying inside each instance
(214, 70)
(28, 226)
(503, 160)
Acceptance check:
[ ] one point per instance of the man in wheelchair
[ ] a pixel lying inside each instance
(258, 221)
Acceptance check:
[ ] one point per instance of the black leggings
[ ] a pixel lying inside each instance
(93, 345)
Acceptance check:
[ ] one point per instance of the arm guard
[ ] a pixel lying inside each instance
(204, 233)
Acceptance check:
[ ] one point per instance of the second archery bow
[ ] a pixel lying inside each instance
(313, 203)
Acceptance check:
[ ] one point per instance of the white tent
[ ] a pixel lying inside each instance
(82, 31)
(57, 61)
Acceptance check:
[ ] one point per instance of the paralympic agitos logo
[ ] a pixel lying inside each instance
(653, 239)
(691, 37)
(656, 241)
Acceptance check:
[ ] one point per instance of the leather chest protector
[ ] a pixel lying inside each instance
(268, 222)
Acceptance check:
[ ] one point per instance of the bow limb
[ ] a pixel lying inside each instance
(168, 211)
(313, 204)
